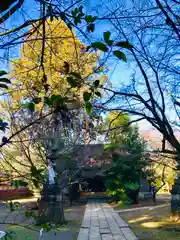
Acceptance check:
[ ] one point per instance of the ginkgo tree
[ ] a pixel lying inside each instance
(55, 63)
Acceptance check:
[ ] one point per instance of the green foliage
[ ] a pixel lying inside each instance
(96, 83)
(98, 94)
(9, 235)
(3, 125)
(120, 55)
(127, 169)
(90, 19)
(86, 96)
(77, 13)
(91, 27)
(88, 107)
(13, 206)
(107, 38)
(4, 81)
(131, 186)
(19, 183)
(2, 73)
(124, 45)
(31, 106)
(100, 46)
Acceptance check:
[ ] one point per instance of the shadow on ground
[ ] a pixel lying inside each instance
(154, 224)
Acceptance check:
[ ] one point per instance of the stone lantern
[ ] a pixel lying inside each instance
(51, 202)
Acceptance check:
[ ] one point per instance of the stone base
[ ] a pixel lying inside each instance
(51, 206)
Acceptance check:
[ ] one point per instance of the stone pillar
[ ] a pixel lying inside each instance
(51, 205)
(51, 202)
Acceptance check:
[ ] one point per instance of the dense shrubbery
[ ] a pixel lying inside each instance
(123, 179)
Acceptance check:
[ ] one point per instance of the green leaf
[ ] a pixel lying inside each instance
(87, 48)
(98, 94)
(73, 82)
(124, 45)
(58, 99)
(77, 19)
(107, 38)
(76, 75)
(4, 139)
(88, 107)
(90, 19)
(91, 27)
(120, 55)
(47, 101)
(3, 86)
(3, 125)
(99, 45)
(36, 100)
(6, 80)
(86, 96)
(69, 26)
(28, 214)
(31, 106)
(2, 72)
(96, 83)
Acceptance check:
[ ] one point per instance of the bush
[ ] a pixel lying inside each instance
(19, 183)
(126, 193)
(132, 191)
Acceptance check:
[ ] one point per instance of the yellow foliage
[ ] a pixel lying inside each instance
(117, 118)
(61, 45)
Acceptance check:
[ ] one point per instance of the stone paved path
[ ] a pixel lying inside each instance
(101, 222)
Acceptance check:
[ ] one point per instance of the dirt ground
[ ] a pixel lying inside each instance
(74, 216)
(161, 199)
(10, 220)
(154, 224)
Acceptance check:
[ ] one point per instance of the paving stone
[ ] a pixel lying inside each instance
(95, 223)
(83, 234)
(119, 237)
(94, 229)
(128, 234)
(120, 221)
(86, 223)
(104, 230)
(58, 235)
(106, 237)
(94, 235)
(101, 222)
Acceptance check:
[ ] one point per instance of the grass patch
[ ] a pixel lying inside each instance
(25, 233)
(21, 233)
(154, 224)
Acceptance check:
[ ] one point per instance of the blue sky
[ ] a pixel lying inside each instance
(119, 71)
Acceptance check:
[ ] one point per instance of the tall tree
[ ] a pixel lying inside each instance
(152, 92)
